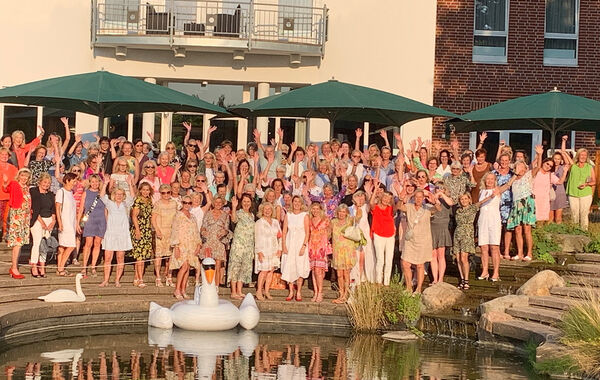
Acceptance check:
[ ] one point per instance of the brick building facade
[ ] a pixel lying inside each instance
(463, 83)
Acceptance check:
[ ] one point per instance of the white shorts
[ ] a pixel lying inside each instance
(489, 231)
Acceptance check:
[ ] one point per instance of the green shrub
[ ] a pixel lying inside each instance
(544, 245)
(594, 245)
(399, 305)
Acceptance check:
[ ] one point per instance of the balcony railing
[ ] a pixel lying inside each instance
(194, 23)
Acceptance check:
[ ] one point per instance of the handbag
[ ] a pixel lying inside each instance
(552, 191)
(353, 233)
(49, 245)
(86, 215)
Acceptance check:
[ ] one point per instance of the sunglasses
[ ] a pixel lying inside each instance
(355, 156)
(200, 180)
(139, 145)
(186, 203)
(170, 148)
(191, 145)
(150, 167)
(421, 176)
(75, 171)
(192, 166)
(165, 192)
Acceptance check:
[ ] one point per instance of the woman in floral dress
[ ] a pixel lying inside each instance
(19, 216)
(344, 255)
(504, 174)
(216, 234)
(186, 244)
(318, 248)
(141, 231)
(242, 247)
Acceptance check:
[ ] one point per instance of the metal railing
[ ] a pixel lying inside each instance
(220, 19)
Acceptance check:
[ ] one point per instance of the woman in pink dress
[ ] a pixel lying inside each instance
(542, 183)
(318, 247)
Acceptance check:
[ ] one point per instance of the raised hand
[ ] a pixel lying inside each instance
(454, 145)
(96, 137)
(65, 121)
(483, 136)
(42, 131)
(398, 137)
(187, 125)
(212, 129)
(413, 145)
(177, 166)
(273, 142)
(539, 149)
(358, 132)
(77, 138)
(86, 144)
(280, 134)
(419, 141)
(234, 202)
(502, 143)
(150, 135)
(383, 134)
(565, 138)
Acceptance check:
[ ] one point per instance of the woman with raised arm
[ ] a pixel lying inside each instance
(440, 233)
(163, 214)
(21, 149)
(562, 164)
(239, 271)
(503, 174)
(117, 237)
(126, 153)
(216, 234)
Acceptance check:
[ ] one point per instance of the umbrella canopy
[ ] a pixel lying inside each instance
(552, 111)
(335, 100)
(105, 94)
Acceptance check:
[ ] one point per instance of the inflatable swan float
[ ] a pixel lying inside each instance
(206, 312)
(66, 295)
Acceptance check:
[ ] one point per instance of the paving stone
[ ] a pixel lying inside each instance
(537, 314)
(552, 302)
(588, 257)
(584, 268)
(525, 331)
(585, 280)
(574, 291)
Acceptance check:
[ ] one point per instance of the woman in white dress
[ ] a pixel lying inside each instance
(66, 215)
(117, 237)
(364, 270)
(267, 248)
(295, 265)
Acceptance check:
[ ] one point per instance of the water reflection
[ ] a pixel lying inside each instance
(134, 353)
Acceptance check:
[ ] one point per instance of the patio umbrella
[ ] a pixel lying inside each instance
(105, 94)
(552, 111)
(335, 100)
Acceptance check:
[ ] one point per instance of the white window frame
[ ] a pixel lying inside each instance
(479, 58)
(563, 36)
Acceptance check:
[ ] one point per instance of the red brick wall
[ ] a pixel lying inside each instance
(461, 86)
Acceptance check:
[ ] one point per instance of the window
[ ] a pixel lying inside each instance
(560, 37)
(491, 31)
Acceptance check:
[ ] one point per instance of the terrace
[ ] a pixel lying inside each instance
(238, 27)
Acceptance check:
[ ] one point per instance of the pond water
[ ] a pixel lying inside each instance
(134, 352)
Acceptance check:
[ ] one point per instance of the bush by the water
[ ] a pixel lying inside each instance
(373, 306)
(544, 243)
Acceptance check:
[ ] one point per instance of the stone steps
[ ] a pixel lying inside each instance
(525, 331)
(552, 302)
(584, 268)
(584, 280)
(536, 314)
(574, 292)
(588, 257)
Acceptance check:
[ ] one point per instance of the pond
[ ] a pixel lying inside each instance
(136, 352)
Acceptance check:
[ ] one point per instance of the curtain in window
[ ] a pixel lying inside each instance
(490, 15)
(560, 16)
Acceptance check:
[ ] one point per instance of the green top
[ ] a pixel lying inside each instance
(578, 176)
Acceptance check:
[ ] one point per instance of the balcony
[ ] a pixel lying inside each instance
(238, 27)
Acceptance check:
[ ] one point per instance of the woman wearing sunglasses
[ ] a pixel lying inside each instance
(162, 219)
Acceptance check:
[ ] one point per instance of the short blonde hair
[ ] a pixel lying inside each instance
(16, 133)
(261, 209)
(44, 176)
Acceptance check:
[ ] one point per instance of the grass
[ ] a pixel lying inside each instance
(581, 333)
(372, 306)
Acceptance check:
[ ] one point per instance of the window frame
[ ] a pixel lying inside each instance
(479, 58)
(573, 62)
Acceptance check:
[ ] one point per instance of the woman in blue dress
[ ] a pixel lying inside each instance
(504, 174)
(91, 214)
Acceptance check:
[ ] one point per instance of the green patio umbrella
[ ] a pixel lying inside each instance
(552, 111)
(105, 94)
(335, 100)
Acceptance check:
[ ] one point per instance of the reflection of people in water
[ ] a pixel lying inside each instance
(33, 371)
(103, 367)
(341, 365)
(57, 372)
(315, 367)
(236, 366)
(135, 365)
(116, 370)
(289, 369)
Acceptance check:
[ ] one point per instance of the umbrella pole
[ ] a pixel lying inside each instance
(553, 137)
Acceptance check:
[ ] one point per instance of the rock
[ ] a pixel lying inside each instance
(541, 283)
(572, 243)
(487, 320)
(440, 296)
(502, 303)
(400, 336)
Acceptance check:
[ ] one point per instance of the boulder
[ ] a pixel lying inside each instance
(502, 303)
(400, 336)
(440, 296)
(572, 243)
(541, 283)
(487, 320)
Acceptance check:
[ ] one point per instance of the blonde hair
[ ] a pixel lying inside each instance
(43, 176)
(579, 151)
(141, 185)
(320, 206)
(261, 209)
(342, 206)
(302, 204)
(23, 170)
(114, 191)
(482, 182)
(18, 132)
(118, 161)
(468, 195)
(164, 186)
(145, 167)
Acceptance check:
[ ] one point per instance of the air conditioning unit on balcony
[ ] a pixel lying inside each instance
(288, 23)
(211, 20)
(120, 51)
(238, 55)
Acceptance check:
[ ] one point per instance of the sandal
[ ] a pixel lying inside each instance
(141, 284)
(158, 283)
(169, 282)
(136, 282)
(461, 284)
(63, 273)
(465, 285)
(178, 296)
(527, 258)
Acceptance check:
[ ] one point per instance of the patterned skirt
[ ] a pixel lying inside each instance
(523, 212)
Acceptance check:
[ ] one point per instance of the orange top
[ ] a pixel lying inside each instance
(10, 171)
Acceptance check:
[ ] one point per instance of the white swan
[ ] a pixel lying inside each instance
(65, 295)
(65, 356)
(206, 312)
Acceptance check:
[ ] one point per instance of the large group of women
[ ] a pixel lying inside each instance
(282, 212)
